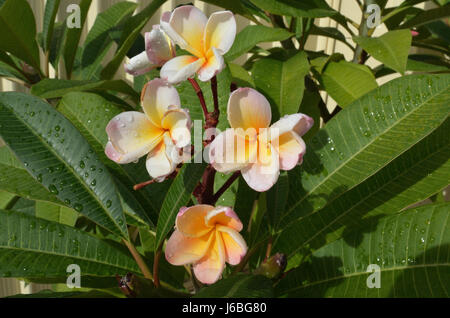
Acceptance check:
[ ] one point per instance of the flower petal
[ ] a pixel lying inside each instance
(181, 68)
(178, 122)
(247, 108)
(224, 216)
(181, 250)
(159, 46)
(230, 151)
(212, 67)
(191, 221)
(186, 28)
(131, 136)
(299, 123)
(139, 64)
(220, 31)
(156, 98)
(234, 243)
(291, 149)
(160, 162)
(262, 175)
(209, 269)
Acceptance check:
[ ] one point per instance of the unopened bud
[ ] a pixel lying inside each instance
(272, 267)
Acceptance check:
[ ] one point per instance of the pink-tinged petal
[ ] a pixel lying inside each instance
(209, 269)
(139, 64)
(191, 221)
(220, 31)
(212, 67)
(224, 216)
(298, 123)
(159, 46)
(181, 68)
(159, 164)
(230, 151)
(131, 136)
(181, 250)
(178, 122)
(156, 98)
(291, 149)
(247, 108)
(261, 176)
(234, 243)
(186, 28)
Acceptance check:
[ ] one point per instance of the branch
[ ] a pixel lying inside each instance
(225, 186)
(139, 261)
(199, 92)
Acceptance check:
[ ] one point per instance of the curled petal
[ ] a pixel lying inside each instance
(291, 149)
(179, 123)
(234, 243)
(209, 268)
(220, 31)
(139, 64)
(156, 98)
(181, 250)
(181, 68)
(159, 46)
(160, 161)
(298, 123)
(212, 67)
(223, 216)
(191, 221)
(131, 136)
(262, 175)
(247, 108)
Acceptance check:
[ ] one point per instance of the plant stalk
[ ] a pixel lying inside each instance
(139, 261)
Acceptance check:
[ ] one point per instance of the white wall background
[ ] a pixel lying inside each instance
(10, 286)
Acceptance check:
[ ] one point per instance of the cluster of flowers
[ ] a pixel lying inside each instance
(204, 235)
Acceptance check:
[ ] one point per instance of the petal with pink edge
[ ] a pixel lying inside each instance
(156, 98)
(158, 162)
(209, 269)
(212, 67)
(247, 108)
(299, 123)
(291, 149)
(181, 250)
(139, 64)
(191, 221)
(131, 136)
(181, 68)
(179, 124)
(220, 31)
(158, 46)
(234, 243)
(223, 216)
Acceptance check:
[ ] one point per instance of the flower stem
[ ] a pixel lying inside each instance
(199, 93)
(137, 257)
(215, 96)
(226, 185)
(156, 266)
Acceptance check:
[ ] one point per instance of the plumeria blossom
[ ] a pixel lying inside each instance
(254, 148)
(159, 48)
(160, 132)
(206, 237)
(206, 39)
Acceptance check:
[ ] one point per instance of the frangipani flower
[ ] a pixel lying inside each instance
(206, 237)
(161, 131)
(206, 39)
(159, 48)
(254, 148)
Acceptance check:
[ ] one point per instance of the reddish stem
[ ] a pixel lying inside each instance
(215, 96)
(199, 93)
(143, 184)
(226, 185)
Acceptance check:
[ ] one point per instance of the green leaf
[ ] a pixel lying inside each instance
(427, 16)
(365, 137)
(392, 48)
(58, 156)
(251, 35)
(73, 38)
(57, 43)
(240, 76)
(244, 204)
(9, 71)
(5, 199)
(33, 247)
(330, 32)
(236, 6)
(282, 82)
(310, 9)
(276, 200)
(178, 196)
(18, 34)
(51, 8)
(53, 88)
(412, 177)
(411, 248)
(56, 213)
(239, 286)
(346, 82)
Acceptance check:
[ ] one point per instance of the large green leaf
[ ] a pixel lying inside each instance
(33, 247)
(51, 8)
(178, 196)
(346, 81)
(18, 34)
(282, 82)
(427, 16)
(392, 48)
(412, 177)
(411, 248)
(252, 35)
(55, 213)
(310, 9)
(365, 137)
(239, 286)
(58, 156)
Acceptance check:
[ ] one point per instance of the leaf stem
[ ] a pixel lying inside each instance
(156, 266)
(199, 93)
(139, 261)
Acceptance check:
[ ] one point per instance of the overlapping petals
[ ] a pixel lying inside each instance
(206, 237)
(160, 132)
(206, 39)
(264, 149)
(159, 48)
